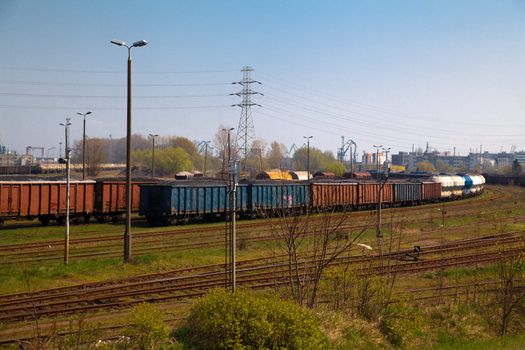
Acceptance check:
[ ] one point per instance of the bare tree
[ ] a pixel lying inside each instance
(510, 295)
(311, 244)
(275, 155)
(96, 154)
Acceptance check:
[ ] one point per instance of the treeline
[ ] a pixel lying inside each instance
(174, 154)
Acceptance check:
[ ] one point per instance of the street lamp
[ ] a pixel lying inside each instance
(68, 175)
(308, 154)
(127, 232)
(84, 145)
(377, 160)
(153, 137)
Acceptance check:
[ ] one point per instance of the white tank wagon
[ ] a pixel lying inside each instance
(478, 182)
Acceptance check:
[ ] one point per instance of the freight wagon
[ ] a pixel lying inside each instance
(268, 196)
(334, 195)
(177, 202)
(368, 194)
(407, 193)
(110, 198)
(46, 200)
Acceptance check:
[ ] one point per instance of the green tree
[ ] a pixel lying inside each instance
(318, 159)
(425, 166)
(335, 167)
(190, 148)
(168, 161)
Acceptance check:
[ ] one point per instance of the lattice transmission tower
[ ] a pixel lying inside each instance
(246, 130)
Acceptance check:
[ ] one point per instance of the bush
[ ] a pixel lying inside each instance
(401, 324)
(148, 329)
(222, 320)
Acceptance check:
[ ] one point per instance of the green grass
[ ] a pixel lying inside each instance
(446, 342)
(55, 274)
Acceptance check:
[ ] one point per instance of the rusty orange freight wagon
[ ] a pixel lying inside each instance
(110, 197)
(368, 193)
(334, 195)
(45, 200)
(430, 191)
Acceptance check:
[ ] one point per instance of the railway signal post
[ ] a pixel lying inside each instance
(233, 166)
(68, 176)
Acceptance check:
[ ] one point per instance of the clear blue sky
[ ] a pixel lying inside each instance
(391, 72)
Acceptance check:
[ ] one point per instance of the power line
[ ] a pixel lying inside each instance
(109, 108)
(379, 109)
(63, 70)
(107, 96)
(377, 125)
(44, 83)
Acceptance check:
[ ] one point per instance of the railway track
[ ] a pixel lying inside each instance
(255, 273)
(161, 242)
(157, 241)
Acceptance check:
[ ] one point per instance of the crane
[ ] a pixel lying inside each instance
(30, 148)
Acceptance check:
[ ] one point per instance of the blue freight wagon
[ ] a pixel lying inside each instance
(174, 202)
(269, 196)
(407, 192)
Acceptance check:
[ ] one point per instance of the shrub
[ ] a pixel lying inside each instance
(401, 324)
(148, 329)
(222, 320)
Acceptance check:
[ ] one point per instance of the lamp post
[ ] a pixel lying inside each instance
(308, 154)
(377, 160)
(127, 232)
(153, 137)
(68, 175)
(84, 144)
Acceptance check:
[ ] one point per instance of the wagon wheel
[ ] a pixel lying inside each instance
(60, 220)
(44, 221)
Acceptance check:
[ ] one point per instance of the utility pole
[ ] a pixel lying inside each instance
(246, 129)
(153, 137)
(308, 153)
(233, 201)
(68, 176)
(229, 274)
(84, 144)
(110, 155)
